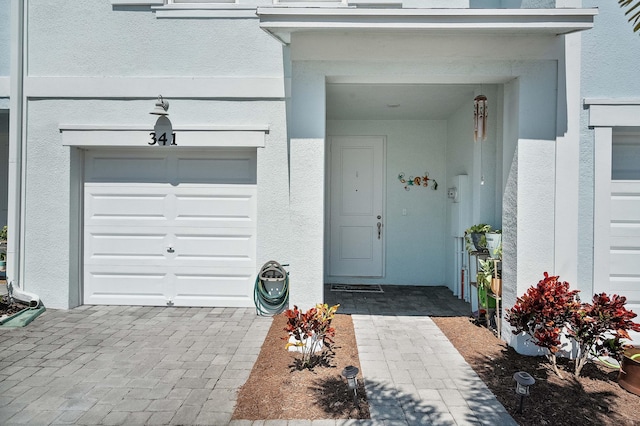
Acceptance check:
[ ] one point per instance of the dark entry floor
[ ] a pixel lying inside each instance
(399, 300)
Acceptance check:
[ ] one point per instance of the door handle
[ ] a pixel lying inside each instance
(379, 229)
(170, 250)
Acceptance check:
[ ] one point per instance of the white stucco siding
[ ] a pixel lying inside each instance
(52, 198)
(5, 26)
(4, 166)
(611, 57)
(91, 38)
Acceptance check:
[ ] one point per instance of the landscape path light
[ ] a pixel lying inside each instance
(523, 382)
(350, 372)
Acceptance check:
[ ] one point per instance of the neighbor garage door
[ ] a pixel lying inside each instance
(170, 227)
(624, 261)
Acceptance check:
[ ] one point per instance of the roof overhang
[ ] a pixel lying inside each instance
(283, 22)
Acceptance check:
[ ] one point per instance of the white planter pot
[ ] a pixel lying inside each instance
(317, 344)
(493, 242)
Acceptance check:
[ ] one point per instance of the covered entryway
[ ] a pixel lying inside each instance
(414, 130)
(516, 54)
(170, 227)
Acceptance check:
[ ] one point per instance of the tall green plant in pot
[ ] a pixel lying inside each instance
(483, 278)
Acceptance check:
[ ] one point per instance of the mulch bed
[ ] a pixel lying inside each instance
(594, 398)
(7, 309)
(277, 390)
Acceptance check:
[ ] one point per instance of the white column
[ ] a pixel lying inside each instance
(306, 188)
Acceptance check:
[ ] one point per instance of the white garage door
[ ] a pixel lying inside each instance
(170, 227)
(624, 261)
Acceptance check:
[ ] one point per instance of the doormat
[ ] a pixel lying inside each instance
(358, 288)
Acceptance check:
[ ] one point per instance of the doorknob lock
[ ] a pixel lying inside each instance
(170, 250)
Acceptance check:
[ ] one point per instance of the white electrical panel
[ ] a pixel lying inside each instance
(459, 194)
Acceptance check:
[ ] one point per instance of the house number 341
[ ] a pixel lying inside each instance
(162, 139)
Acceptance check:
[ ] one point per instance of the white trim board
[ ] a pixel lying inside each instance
(611, 114)
(201, 10)
(5, 87)
(136, 2)
(149, 87)
(282, 22)
(94, 136)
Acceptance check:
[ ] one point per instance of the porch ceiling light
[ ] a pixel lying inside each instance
(523, 382)
(350, 372)
(480, 118)
(161, 108)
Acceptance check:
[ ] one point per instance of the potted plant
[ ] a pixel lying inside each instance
(475, 237)
(484, 279)
(629, 376)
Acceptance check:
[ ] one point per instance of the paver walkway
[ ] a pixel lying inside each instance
(141, 365)
(413, 374)
(128, 365)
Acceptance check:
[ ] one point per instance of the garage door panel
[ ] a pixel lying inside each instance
(625, 230)
(127, 286)
(218, 247)
(217, 207)
(109, 205)
(132, 168)
(625, 208)
(126, 246)
(216, 170)
(625, 262)
(231, 286)
(628, 286)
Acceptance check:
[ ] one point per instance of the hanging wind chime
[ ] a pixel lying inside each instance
(480, 125)
(480, 118)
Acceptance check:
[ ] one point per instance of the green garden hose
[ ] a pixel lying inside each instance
(268, 304)
(616, 366)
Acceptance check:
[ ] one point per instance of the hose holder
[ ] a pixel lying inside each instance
(273, 277)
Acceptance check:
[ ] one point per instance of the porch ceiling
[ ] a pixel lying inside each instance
(396, 101)
(282, 22)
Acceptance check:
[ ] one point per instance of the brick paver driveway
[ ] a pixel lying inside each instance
(128, 365)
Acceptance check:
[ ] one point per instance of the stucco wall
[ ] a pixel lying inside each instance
(476, 160)
(90, 38)
(5, 9)
(50, 252)
(610, 69)
(414, 243)
(4, 165)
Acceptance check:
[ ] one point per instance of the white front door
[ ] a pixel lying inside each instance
(357, 201)
(170, 227)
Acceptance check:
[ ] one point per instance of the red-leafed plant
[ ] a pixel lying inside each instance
(599, 328)
(542, 312)
(311, 331)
